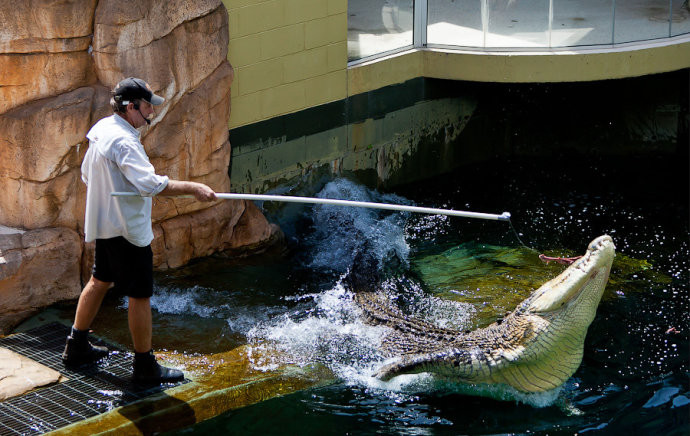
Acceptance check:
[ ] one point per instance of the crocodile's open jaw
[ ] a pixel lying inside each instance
(595, 265)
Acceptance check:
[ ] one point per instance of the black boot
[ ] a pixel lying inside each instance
(79, 351)
(147, 371)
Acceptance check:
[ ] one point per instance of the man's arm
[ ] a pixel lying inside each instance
(198, 190)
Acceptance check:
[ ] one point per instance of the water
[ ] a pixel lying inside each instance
(463, 274)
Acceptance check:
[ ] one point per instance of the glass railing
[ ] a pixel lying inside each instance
(378, 27)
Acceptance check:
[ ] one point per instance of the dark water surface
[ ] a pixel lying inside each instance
(635, 371)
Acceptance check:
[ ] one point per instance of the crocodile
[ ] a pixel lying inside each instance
(535, 348)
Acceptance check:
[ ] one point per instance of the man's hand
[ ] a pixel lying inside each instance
(203, 192)
(200, 191)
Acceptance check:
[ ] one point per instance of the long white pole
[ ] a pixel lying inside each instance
(505, 216)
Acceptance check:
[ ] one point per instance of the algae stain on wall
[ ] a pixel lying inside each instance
(400, 146)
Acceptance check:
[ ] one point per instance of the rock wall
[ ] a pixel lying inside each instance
(58, 62)
(38, 268)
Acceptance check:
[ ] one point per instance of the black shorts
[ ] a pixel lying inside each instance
(128, 266)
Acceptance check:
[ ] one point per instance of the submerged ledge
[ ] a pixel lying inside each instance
(219, 383)
(102, 399)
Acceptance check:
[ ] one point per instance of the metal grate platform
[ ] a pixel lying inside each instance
(87, 392)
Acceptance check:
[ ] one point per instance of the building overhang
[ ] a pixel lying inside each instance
(522, 66)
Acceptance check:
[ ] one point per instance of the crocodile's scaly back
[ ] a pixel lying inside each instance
(535, 348)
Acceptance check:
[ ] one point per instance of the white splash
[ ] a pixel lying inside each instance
(332, 332)
(185, 301)
(340, 231)
(205, 302)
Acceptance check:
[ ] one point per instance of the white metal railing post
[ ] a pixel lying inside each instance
(550, 20)
(613, 22)
(421, 8)
(485, 20)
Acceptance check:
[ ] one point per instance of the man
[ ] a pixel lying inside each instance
(121, 227)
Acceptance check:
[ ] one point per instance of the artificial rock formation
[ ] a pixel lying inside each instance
(37, 268)
(185, 237)
(53, 40)
(192, 141)
(41, 148)
(58, 61)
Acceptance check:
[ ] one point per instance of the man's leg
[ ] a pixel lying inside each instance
(90, 302)
(140, 323)
(78, 350)
(146, 369)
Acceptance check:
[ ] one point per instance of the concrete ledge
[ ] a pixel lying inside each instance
(572, 65)
(390, 70)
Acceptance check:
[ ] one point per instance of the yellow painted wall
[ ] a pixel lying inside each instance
(288, 55)
(559, 66)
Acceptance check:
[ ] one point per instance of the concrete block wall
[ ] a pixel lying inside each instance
(288, 55)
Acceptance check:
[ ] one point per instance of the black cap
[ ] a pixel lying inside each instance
(132, 88)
